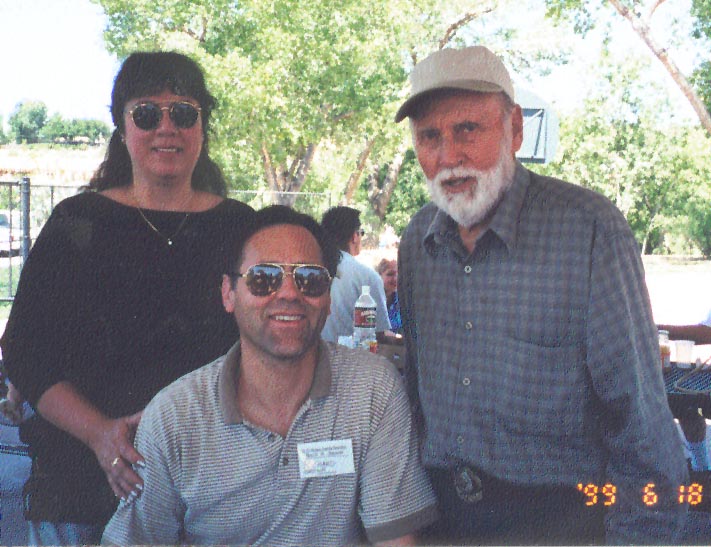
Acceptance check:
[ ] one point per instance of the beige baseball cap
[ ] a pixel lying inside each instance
(474, 68)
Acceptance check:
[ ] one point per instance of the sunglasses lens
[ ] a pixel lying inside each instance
(146, 116)
(264, 279)
(312, 280)
(184, 115)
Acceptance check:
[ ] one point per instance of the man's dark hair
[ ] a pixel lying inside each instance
(281, 214)
(340, 223)
(150, 73)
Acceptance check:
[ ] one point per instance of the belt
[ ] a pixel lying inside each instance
(472, 486)
(477, 508)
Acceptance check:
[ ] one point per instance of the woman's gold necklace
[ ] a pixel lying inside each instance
(152, 226)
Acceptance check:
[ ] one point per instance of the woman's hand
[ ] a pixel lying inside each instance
(111, 440)
(117, 456)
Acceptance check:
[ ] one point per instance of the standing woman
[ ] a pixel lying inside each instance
(120, 296)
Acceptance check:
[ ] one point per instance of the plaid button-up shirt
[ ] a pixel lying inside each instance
(535, 358)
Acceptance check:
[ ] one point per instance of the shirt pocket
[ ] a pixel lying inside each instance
(544, 386)
(553, 326)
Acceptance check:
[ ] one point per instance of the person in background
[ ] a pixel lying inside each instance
(692, 423)
(13, 407)
(532, 355)
(343, 225)
(387, 268)
(285, 440)
(700, 333)
(120, 296)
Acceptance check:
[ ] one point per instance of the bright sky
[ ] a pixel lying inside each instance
(53, 51)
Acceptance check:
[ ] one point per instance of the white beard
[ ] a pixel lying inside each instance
(473, 206)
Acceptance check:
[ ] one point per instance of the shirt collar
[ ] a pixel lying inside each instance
(443, 228)
(229, 378)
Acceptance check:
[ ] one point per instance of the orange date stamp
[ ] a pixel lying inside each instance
(691, 494)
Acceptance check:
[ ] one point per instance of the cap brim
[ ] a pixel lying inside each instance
(467, 85)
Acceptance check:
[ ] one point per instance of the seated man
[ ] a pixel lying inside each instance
(286, 439)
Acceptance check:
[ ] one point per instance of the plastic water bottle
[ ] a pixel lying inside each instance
(364, 322)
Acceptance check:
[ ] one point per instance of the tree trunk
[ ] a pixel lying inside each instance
(379, 197)
(355, 175)
(283, 182)
(642, 29)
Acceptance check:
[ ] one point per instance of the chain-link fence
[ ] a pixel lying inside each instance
(26, 206)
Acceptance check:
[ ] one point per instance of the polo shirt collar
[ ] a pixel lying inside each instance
(443, 229)
(229, 377)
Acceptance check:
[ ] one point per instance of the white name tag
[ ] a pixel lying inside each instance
(325, 458)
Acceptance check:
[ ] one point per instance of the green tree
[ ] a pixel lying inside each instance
(639, 15)
(701, 77)
(616, 146)
(94, 130)
(55, 129)
(27, 120)
(58, 129)
(4, 139)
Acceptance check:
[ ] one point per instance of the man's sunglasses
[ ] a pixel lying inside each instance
(265, 279)
(147, 116)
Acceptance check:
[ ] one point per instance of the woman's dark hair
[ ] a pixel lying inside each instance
(281, 214)
(151, 73)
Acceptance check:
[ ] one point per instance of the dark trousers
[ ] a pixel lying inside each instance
(508, 514)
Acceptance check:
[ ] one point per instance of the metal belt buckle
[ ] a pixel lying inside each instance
(468, 485)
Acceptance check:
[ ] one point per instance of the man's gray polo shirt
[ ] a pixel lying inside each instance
(213, 478)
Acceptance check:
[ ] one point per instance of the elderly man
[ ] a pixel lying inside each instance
(532, 354)
(285, 440)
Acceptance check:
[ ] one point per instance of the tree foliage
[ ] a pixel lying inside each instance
(639, 14)
(4, 138)
(59, 129)
(27, 120)
(654, 173)
(29, 124)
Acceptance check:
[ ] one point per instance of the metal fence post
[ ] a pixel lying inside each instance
(25, 206)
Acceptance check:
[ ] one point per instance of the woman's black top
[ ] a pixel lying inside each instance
(105, 303)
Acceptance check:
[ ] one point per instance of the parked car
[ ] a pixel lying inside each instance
(10, 233)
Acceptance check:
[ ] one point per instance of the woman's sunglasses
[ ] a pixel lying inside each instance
(265, 279)
(147, 116)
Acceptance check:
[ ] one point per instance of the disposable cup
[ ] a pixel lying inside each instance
(684, 353)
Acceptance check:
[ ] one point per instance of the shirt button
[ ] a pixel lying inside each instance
(285, 461)
(460, 439)
(468, 325)
(271, 437)
(467, 269)
(466, 381)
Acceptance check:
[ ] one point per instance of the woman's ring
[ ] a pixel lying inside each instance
(115, 462)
